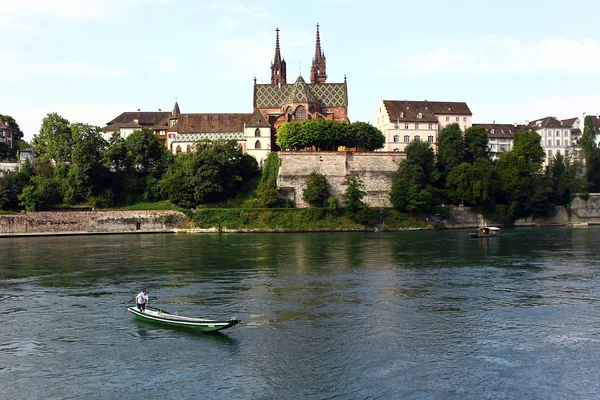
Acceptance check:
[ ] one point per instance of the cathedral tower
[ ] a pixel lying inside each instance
(318, 72)
(278, 65)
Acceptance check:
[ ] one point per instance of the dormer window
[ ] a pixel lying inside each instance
(401, 115)
(419, 115)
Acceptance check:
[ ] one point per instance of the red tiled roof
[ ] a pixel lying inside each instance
(144, 118)
(547, 122)
(403, 111)
(206, 123)
(501, 130)
(436, 107)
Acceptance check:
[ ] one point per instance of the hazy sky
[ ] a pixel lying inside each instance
(90, 60)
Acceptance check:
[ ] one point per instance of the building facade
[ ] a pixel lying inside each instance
(555, 137)
(128, 122)
(6, 134)
(500, 137)
(402, 121)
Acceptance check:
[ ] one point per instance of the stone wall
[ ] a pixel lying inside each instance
(91, 221)
(375, 169)
(7, 168)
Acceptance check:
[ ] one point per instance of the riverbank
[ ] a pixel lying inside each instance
(247, 220)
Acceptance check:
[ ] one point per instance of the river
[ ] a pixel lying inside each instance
(394, 315)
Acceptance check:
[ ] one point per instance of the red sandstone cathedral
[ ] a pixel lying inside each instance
(274, 103)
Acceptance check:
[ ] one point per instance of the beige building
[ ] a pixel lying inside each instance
(555, 137)
(130, 121)
(500, 137)
(402, 121)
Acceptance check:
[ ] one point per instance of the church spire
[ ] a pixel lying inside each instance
(278, 64)
(318, 73)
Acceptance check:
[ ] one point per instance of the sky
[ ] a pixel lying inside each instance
(91, 60)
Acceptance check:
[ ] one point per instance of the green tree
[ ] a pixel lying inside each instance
(567, 179)
(267, 194)
(409, 188)
(87, 174)
(54, 138)
(354, 193)
(472, 184)
(12, 125)
(363, 136)
(146, 154)
(476, 143)
(317, 189)
(289, 136)
(588, 138)
(451, 148)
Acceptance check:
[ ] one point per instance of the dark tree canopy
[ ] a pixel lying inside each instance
(317, 189)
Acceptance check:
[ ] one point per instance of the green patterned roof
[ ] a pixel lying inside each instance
(300, 93)
(326, 94)
(257, 120)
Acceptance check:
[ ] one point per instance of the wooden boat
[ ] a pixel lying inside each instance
(486, 231)
(162, 317)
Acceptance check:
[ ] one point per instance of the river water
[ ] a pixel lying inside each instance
(404, 315)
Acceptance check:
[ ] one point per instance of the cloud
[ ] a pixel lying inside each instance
(18, 71)
(163, 63)
(501, 55)
(536, 107)
(70, 9)
(230, 23)
(256, 11)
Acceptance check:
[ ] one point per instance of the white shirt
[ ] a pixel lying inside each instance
(141, 298)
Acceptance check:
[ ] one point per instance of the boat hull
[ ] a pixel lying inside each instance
(162, 318)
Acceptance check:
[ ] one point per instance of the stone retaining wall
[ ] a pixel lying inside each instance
(91, 221)
(375, 170)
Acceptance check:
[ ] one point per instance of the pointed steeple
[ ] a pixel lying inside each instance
(318, 72)
(278, 75)
(174, 115)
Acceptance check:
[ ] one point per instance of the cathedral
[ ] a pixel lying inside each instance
(278, 102)
(274, 104)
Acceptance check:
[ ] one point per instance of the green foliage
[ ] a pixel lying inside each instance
(333, 204)
(409, 188)
(54, 138)
(328, 135)
(271, 168)
(40, 192)
(421, 153)
(12, 125)
(472, 184)
(267, 194)
(317, 190)
(476, 143)
(146, 154)
(451, 148)
(567, 179)
(588, 138)
(354, 193)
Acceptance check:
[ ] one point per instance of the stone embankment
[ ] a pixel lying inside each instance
(90, 222)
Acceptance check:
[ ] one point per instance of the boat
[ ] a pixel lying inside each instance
(160, 316)
(485, 231)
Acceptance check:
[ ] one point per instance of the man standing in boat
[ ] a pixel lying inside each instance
(142, 300)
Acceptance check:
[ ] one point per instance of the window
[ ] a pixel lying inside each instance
(405, 126)
(557, 133)
(416, 126)
(300, 114)
(549, 142)
(558, 152)
(550, 153)
(226, 117)
(548, 132)
(447, 119)
(396, 125)
(188, 148)
(257, 132)
(419, 115)
(464, 119)
(566, 133)
(430, 126)
(558, 142)
(429, 139)
(396, 139)
(492, 131)
(406, 139)
(457, 119)
(215, 117)
(257, 144)
(205, 117)
(178, 150)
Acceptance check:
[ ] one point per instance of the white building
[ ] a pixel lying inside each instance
(555, 137)
(402, 121)
(500, 137)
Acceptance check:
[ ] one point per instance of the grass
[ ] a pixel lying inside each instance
(149, 206)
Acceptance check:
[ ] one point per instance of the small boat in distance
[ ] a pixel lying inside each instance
(486, 231)
(162, 317)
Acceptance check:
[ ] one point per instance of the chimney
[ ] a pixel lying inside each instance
(139, 109)
(159, 109)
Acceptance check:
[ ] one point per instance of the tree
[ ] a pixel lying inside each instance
(317, 189)
(267, 194)
(476, 143)
(364, 136)
(146, 154)
(55, 138)
(12, 125)
(451, 148)
(354, 193)
(420, 153)
(87, 173)
(566, 178)
(588, 138)
(409, 188)
(472, 184)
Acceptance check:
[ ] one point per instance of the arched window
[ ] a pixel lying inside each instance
(406, 139)
(257, 132)
(257, 144)
(300, 114)
(178, 149)
(396, 138)
(188, 148)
